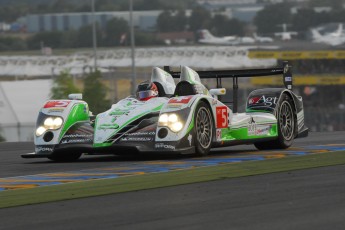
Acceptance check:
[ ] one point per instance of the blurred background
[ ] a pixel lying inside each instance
(103, 48)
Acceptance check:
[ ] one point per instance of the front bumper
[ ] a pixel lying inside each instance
(116, 149)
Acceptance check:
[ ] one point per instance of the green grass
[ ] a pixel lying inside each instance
(67, 191)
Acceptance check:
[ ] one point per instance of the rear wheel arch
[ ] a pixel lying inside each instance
(294, 107)
(286, 135)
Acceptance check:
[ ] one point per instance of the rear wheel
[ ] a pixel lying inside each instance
(203, 129)
(286, 126)
(65, 157)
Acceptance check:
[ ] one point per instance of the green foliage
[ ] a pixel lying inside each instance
(271, 16)
(200, 19)
(113, 31)
(50, 39)
(63, 86)
(335, 4)
(222, 26)
(268, 19)
(306, 18)
(95, 93)
(12, 44)
(2, 139)
(167, 21)
(84, 36)
(146, 39)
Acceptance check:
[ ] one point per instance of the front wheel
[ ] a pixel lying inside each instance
(286, 126)
(203, 129)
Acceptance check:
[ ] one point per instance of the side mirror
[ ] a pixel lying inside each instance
(217, 92)
(75, 96)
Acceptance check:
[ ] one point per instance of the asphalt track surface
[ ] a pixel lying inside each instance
(303, 199)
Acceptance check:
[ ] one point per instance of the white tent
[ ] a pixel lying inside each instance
(20, 102)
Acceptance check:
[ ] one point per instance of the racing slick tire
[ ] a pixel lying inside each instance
(286, 126)
(203, 129)
(65, 157)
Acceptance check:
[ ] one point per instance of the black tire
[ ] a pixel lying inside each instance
(204, 129)
(286, 126)
(65, 157)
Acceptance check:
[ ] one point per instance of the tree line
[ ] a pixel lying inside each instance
(94, 92)
(175, 19)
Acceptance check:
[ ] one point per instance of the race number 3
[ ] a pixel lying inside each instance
(222, 117)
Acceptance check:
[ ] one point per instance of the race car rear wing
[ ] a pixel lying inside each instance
(285, 70)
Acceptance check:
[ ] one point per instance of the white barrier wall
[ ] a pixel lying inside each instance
(201, 57)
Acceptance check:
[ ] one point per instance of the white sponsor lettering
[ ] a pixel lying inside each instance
(252, 129)
(76, 141)
(43, 149)
(263, 100)
(164, 146)
(190, 139)
(219, 134)
(262, 130)
(141, 134)
(77, 135)
(137, 139)
(258, 130)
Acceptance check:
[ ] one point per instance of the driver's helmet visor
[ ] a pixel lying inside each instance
(146, 94)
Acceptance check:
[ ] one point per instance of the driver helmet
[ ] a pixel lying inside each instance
(146, 91)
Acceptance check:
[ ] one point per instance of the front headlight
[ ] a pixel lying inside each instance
(40, 130)
(172, 121)
(176, 126)
(53, 122)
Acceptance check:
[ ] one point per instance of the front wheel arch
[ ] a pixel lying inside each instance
(203, 129)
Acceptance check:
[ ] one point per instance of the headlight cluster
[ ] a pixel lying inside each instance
(172, 121)
(49, 123)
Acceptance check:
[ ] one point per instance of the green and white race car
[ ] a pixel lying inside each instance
(186, 118)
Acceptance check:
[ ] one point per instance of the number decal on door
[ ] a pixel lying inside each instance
(222, 117)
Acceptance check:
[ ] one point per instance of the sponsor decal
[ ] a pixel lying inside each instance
(219, 134)
(108, 126)
(180, 100)
(77, 135)
(262, 130)
(288, 79)
(214, 101)
(258, 130)
(66, 141)
(43, 149)
(141, 134)
(252, 129)
(286, 68)
(53, 104)
(190, 139)
(263, 100)
(86, 109)
(143, 139)
(118, 112)
(56, 110)
(164, 146)
(222, 116)
(174, 106)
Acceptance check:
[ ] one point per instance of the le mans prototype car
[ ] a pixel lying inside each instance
(184, 118)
